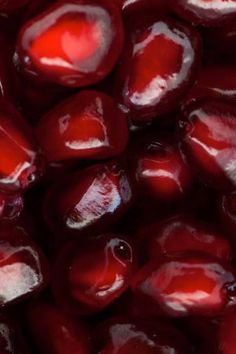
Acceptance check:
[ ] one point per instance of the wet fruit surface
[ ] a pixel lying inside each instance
(160, 169)
(208, 136)
(187, 285)
(23, 268)
(117, 176)
(87, 125)
(89, 276)
(21, 162)
(147, 87)
(89, 200)
(182, 233)
(74, 46)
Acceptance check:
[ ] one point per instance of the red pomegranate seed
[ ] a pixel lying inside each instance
(87, 125)
(20, 162)
(182, 233)
(125, 336)
(56, 333)
(23, 268)
(187, 285)
(90, 276)
(205, 12)
(215, 81)
(90, 200)
(227, 339)
(160, 169)
(154, 75)
(77, 45)
(208, 132)
(11, 207)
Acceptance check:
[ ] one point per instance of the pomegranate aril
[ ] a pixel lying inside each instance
(56, 333)
(23, 267)
(89, 201)
(89, 276)
(208, 134)
(153, 75)
(160, 169)
(78, 43)
(21, 162)
(183, 233)
(125, 336)
(88, 125)
(205, 12)
(187, 285)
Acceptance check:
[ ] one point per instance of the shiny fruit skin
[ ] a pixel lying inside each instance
(187, 285)
(89, 201)
(89, 276)
(207, 132)
(21, 162)
(23, 268)
(160, 168)
(148, 88)
(87, 125)
(184, 233)
(53, 54)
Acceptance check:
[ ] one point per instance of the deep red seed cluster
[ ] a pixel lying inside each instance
(117, 177)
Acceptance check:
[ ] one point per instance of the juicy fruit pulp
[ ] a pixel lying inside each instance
(182, 233)
(87, 125)
(187, 285)
(20, 163)
(208, 136)
(74, 46)
(89, 200)
(153, 76)
(117, 176)
(160, 169)
(91, 276)
(23, 268)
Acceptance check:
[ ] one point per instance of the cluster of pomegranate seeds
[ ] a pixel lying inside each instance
(117, 177)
